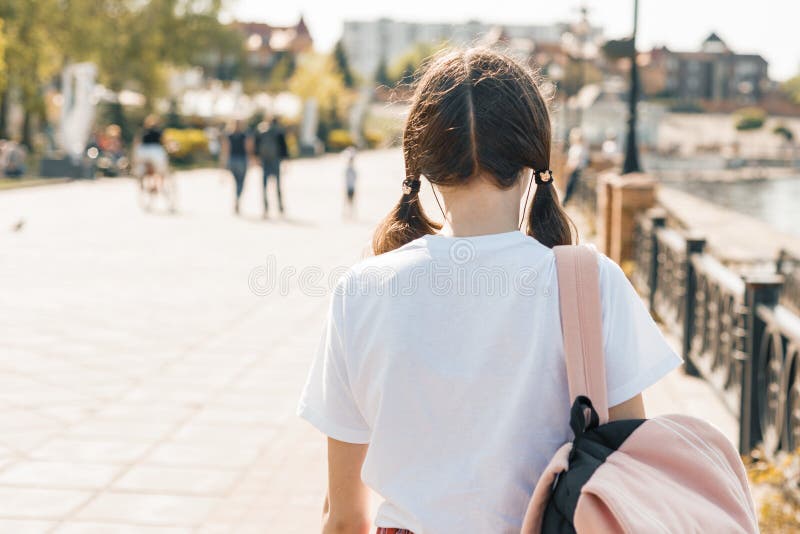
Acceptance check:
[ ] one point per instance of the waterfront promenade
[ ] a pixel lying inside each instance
(149, 379)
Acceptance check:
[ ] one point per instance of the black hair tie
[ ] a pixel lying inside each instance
(411, 185)
(544, 177)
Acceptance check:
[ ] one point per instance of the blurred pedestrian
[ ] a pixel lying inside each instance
(152, 162)
(350, 177)
(13, 157)
(234, 153)
(271, 149)
(577, 162)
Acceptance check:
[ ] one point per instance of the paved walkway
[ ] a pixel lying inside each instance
(149, 371)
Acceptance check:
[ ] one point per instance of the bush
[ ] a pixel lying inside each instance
(684, 106)
(185, 145)
(783, 131)
(373, 138)
(750, 118)
(339, 140)
(774, 481)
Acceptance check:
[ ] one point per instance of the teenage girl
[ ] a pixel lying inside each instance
(440, 380)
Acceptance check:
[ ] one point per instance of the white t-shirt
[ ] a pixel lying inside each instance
(446, 356)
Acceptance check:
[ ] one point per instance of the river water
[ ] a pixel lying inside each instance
(775, 201)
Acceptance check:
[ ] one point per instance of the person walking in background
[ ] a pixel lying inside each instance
(350, 177)
(271, 149)
(152, 161)
(234, 153)
(577, 162)
(12, 158)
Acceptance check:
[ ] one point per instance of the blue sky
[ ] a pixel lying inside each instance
(766, 27)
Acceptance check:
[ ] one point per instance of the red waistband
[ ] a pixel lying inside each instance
(385, 530)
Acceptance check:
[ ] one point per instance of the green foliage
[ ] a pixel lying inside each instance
(404, 68)
(318, 78)
(382, 74)
(338, 140)
(2, 57)
(281, 72)
(750, 118)
(783, 131)
(133, 42)
(676, 105)
(343, 65)
(775, 481)
(185, 145)
(792, 88)
(577, 74)
(373, 138)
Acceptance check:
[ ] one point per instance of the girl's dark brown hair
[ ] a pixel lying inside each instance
(474, 111)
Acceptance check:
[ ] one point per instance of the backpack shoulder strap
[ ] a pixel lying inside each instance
(582, 324)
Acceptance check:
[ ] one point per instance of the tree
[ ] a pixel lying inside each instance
(343, 65)
(281, 72)
(3, 81)
(32, 55)
(2, 57)
(792, 88)
(133, 43)
(404, 67)
(382, 74)
(318, 78)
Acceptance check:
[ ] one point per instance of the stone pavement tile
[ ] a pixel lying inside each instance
(86, 450)
(159, 479)
(148, 509)
(23, 526)
(68, 413)
(153, 391)
(113, 428)
(20, 503)
(162, 412)
(223, 433)
(243, 415)
(217, 528)
(80, 527)
(203, 455)
(39, 394)
(58, 475)
(12, 419)
(29, 439)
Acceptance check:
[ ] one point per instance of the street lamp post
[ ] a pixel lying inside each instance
(631, 150)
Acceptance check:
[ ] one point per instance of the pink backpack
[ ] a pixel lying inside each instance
(670, 474)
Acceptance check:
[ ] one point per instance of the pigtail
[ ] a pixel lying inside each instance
(406, 222)
(548, 223)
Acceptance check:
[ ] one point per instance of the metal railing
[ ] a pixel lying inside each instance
(741, 334)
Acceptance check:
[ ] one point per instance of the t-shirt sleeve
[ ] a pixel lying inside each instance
(637, 354)
(327, 400)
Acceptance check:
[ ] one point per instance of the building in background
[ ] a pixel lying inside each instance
(265, 44)
(368, 43)
(713, 74)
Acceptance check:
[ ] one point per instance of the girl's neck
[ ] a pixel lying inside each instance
(481, 208)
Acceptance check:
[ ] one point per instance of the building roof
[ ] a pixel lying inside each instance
(260, 35)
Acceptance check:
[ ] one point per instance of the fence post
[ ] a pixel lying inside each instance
(657, 220)
(694, 245)
(764, 289)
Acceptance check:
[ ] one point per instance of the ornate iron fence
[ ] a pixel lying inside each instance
(741, 334)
